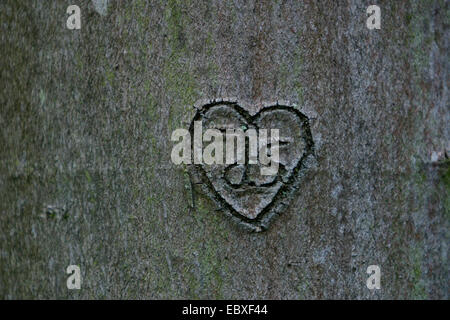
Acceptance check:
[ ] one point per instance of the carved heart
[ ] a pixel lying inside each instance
(240, 189)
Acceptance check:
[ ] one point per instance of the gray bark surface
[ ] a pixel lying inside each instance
(86, 176)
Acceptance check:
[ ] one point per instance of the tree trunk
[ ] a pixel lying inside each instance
(86, 176)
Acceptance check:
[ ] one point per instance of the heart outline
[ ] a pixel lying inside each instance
(281, 198)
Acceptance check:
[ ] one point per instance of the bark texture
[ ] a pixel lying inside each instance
(86, 177)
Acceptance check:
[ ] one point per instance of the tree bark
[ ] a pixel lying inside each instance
(86, 176)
